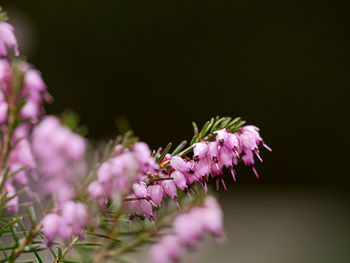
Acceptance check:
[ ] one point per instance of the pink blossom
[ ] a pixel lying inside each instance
(156, 193)
(140, 189)
(179, 179)
(144, 208)
(200, 150)
(221, 136)
(3, 111)
(96, 190)
(51, 225)
(168, 249)
(71, 220)
(179, 164)
(169, 188)
(59, 158)
(7, 38)
(33, 81)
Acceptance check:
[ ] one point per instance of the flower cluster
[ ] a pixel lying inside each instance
(188, 228)
(60, 155)
(68, 220)
(7, 38)
(21, 87)
(121, 171)
(149, 183)
(210, 157)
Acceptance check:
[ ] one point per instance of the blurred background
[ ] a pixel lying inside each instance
(281, 65)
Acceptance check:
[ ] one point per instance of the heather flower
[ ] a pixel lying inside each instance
(21, 156)
(155, 192)
(70, 219)
(51, 225)
(200, 150)
(179, 179)
(144, 156)
(179, 164)
(33, 81)
(7, 38)
(167, 249)
(123, 173)
(188, 229)
(60, 157)
(3, 110)
(140, 189)
(169, 188)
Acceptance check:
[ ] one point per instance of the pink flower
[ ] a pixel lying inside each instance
(213, 217)
(168, 249)
(143, 155)
(60, 156)
(72, 220)
(169, 188)
(200, 150)
(140, 189)
(51, 225)
(188, 228)
(33, 81)
(144, 208)
(221, 136)
(156, 193)
(179, 164)
(179, 179)
(3, 111)
(7, 38)
(96, 190)
(75, 216)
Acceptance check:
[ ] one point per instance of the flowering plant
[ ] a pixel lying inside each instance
(103, 205)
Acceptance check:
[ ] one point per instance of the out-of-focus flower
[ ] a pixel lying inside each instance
(70, 219)
(188, 229)
(7, 38)
(167, 249)
(60, 156)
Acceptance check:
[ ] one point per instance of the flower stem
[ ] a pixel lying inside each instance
(67, 250)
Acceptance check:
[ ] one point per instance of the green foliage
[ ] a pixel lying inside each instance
(72, 120)
(3, 15)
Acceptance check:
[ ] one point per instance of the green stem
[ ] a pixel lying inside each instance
(25, 242)
(67, 250)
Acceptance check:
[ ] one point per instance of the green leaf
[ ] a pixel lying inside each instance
(104, 236)
(159, 179)
(9, 224)
(195, 128)
(88, 244)
(179, 148)
(31, 215)
(59, 252)
(166, 150)
(37, 256)
(4, 179)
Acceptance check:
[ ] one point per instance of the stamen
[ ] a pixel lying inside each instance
(233, 173)
(267, 147)
(255, 172)
(259, 157)
(223, 183)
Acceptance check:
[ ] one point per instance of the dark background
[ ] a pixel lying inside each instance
(281, 65)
